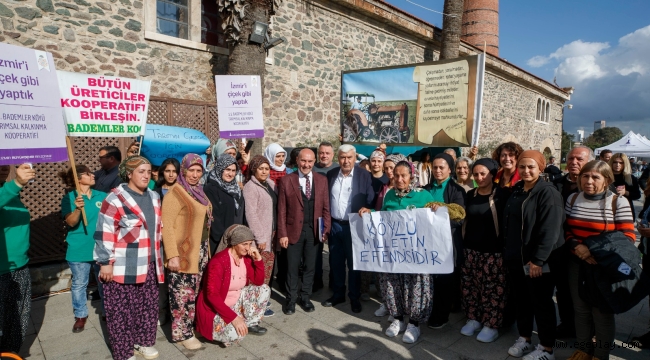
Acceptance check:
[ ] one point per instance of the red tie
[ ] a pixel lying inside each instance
(307, 187)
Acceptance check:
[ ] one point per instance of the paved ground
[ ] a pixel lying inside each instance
(332, 333)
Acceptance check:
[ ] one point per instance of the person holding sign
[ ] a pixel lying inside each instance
(444, 189)
(187, 215)
(405, 294)
(128, 247)
(483, 275)
(532, 227)
(15, 280)
(80, 238)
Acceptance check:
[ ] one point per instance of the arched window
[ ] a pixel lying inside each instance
(543, 111)
(548, 112)
(539, 109)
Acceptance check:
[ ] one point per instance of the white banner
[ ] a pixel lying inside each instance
(97, 105)
(403, 242)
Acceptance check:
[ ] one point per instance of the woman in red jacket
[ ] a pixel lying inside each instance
(233, 298)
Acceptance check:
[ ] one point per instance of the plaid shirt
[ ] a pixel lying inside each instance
(122, 237)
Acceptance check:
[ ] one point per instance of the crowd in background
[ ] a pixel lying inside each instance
(205, 242)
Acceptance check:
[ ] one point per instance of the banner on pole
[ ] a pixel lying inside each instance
(414, 241)
(162, 142)
(104, 105)
(31, 123)
(429, 104)
(239, 103)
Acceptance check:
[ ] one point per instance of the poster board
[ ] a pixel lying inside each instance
(429, 104)
(414, 241)
(162, 142)
(96, 105)
(32, 129)
(239, 104)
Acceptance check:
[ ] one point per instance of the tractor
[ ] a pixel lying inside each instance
(372, 122)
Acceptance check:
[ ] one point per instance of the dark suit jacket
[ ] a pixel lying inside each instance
(291, 207)
(362, 192)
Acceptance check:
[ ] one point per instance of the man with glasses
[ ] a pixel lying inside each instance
(107, 178)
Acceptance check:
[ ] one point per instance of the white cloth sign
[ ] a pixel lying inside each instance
(403, 242)
(96, 105)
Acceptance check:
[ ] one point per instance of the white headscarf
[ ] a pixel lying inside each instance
(270, 152)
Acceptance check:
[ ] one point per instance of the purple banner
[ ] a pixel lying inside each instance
(236, 134)
(21, 156)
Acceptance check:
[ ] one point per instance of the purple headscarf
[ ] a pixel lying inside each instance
(195, 191)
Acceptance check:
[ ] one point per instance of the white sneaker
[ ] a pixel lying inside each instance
(520, 347)
(147, 352)
(411, 334)
(132, 358)
(471, 326)
(192, 343)
(539, 354)
(382, 311)
(395, 328)
(487, 335)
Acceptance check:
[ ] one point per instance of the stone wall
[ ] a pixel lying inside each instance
(107, 38)
(303, 85)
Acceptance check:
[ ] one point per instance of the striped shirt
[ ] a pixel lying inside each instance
(587, 217)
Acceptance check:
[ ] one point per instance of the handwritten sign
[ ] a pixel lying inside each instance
(162, 142)
(239, 103)
(31, 124)
(104, 105)
(403, 242)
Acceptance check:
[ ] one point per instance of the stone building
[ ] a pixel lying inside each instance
(179, 46)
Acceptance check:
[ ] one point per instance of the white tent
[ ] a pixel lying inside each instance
(630, 144)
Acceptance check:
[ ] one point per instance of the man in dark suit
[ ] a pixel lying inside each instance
(350, 189)
(302, 199)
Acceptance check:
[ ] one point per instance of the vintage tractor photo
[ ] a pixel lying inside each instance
(369, 121)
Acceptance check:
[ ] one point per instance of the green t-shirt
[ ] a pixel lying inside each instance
(438, 191)
(152, 184)
(80, 239)
(14, 220)
(416, 198)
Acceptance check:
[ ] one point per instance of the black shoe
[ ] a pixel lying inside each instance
(642, 341)
(256, 330)
(333, 302)
(289, 309)
(307, 305)
(356, 306)
(565, 331)
(436, 324)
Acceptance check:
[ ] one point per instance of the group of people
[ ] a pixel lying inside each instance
(217, 236)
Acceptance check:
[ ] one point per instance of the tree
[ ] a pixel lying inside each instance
(567, 143)
(452, 23)
(602, 137)
(246, 58)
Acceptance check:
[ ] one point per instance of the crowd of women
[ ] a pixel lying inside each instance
(217, 253)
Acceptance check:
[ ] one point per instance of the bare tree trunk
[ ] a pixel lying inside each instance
(451, 29)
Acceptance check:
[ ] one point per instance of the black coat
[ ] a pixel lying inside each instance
(617, 283)
(543, 216)
(455, 194)
(224, 212)
(362, 193)
(553, 172)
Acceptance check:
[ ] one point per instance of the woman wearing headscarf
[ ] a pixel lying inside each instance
(128, 248)
(625, 184)
(167, 175)
(532, 227)
(187, 215)
(233, 296)
(405, 294)
(226, 198)
(225, 146)
(15, 280)
(276, 155)
(261, 202)
(81, 244)
(483, 275)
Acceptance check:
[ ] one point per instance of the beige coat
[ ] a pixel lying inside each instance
(183, 221)
(259, 211)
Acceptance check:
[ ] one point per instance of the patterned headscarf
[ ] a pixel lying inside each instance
(396, 158)
(237, 234)
(129, 165)
(220, 147)
(216, 175)
(414, 181)
(195, 191)
(255, 163)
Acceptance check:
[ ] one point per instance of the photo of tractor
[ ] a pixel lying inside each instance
(369, 121)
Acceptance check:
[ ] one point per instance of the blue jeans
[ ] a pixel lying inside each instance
(80, 276)
(340, 246)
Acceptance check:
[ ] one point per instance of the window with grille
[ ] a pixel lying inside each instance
(173, 18)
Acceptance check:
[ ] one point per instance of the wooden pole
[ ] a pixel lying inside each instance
(74, 174)
(140, 140)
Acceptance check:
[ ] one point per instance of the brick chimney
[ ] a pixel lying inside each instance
(481, 24)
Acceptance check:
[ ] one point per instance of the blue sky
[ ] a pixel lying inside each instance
(402, 85)
(600, 47)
